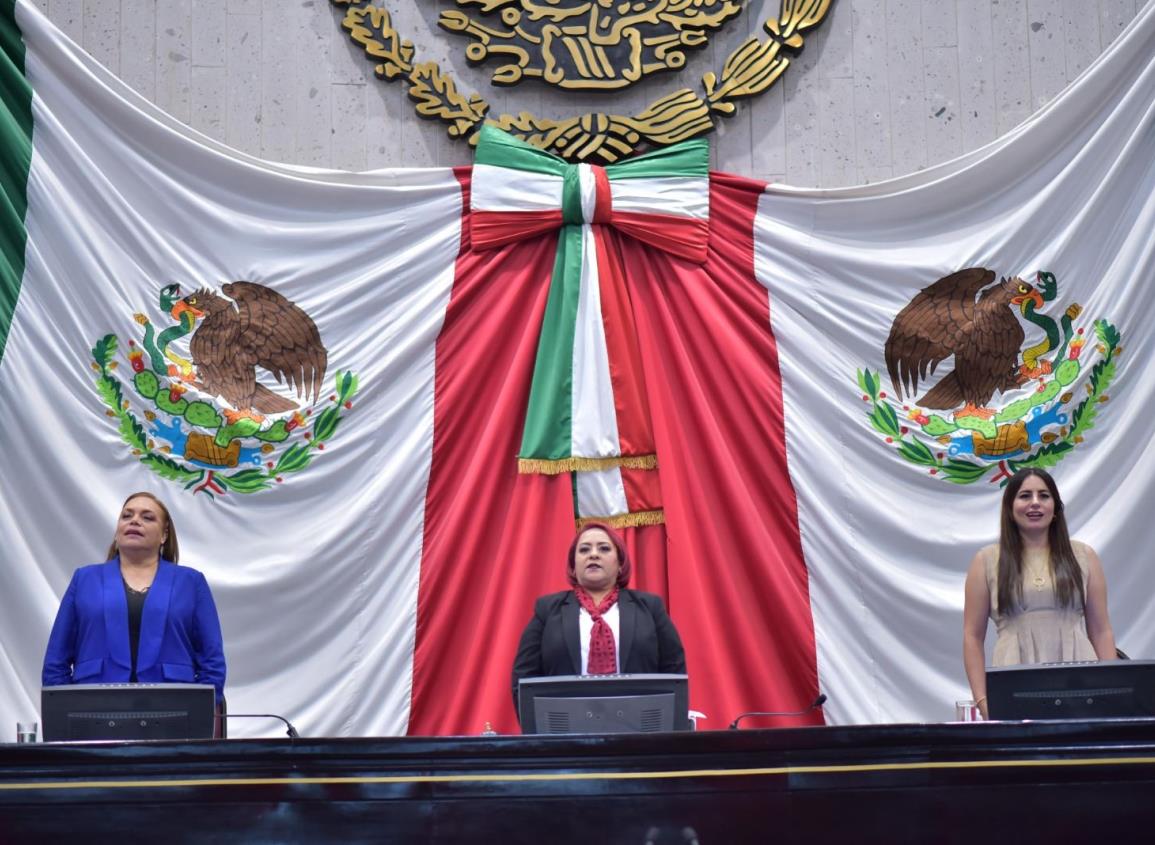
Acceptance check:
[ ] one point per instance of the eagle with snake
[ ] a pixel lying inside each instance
(255, 327)
(983, 334)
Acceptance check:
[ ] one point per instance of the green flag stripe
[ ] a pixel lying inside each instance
(690, 158)
(548, 431)
(501, 149)
(16, 143)
(571, 196)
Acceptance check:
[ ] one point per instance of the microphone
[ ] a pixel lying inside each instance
(818, 702)
(292, 732)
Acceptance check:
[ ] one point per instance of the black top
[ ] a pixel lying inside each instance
(135, 601)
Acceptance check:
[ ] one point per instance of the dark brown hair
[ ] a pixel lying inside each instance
(170, 549)
(1065, 570)
(623, 558)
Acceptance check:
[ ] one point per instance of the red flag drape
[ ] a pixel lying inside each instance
(728, 561)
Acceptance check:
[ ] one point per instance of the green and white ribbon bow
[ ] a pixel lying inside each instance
(587, 409)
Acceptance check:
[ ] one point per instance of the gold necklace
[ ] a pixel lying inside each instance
(1037, 576)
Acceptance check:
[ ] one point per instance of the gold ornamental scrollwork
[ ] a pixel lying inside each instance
(587, 44)
(583, 46)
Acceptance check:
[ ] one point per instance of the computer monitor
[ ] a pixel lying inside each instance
(1113, 689)
(127, 711)
(566, 704)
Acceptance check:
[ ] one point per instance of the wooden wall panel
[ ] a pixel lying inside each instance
(883, 88)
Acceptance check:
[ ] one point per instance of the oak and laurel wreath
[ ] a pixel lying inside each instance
(884, 420)
(251, 480)
(595, 137)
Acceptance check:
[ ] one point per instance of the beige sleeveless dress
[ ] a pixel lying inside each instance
(1042, 631)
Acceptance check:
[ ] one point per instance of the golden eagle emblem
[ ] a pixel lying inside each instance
(982, 325)
(595, 46)
(184, 432)
(983, 335)
(587, 44)
(256, 327)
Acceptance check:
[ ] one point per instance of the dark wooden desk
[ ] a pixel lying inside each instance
(967, 783)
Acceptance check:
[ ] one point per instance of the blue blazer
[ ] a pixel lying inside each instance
(180, 634)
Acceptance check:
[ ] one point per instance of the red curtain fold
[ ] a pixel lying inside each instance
(728, 561)
(627, 371)
(738, 585)
(491, 229)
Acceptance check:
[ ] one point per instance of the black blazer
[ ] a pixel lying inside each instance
(551, 643)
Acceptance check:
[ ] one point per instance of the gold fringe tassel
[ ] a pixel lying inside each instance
(539, 466)
(625, 520)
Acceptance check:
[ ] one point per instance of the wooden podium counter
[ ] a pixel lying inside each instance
(1048, 782)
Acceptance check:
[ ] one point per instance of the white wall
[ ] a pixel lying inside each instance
(883, 88)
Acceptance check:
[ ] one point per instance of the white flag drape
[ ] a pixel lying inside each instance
(316, 578)
(887, 544)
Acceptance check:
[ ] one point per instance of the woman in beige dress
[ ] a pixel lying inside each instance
(1045, 592)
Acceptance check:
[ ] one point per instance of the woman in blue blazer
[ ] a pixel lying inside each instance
(137, 617)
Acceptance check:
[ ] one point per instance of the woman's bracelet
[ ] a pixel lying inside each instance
(979, 701)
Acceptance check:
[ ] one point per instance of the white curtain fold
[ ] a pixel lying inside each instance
(1071, 191)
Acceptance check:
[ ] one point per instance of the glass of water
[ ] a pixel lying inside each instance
(967, 711)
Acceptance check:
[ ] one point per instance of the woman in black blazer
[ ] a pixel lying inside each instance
(598, 627)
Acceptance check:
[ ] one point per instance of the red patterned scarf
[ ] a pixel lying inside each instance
(603, 659)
